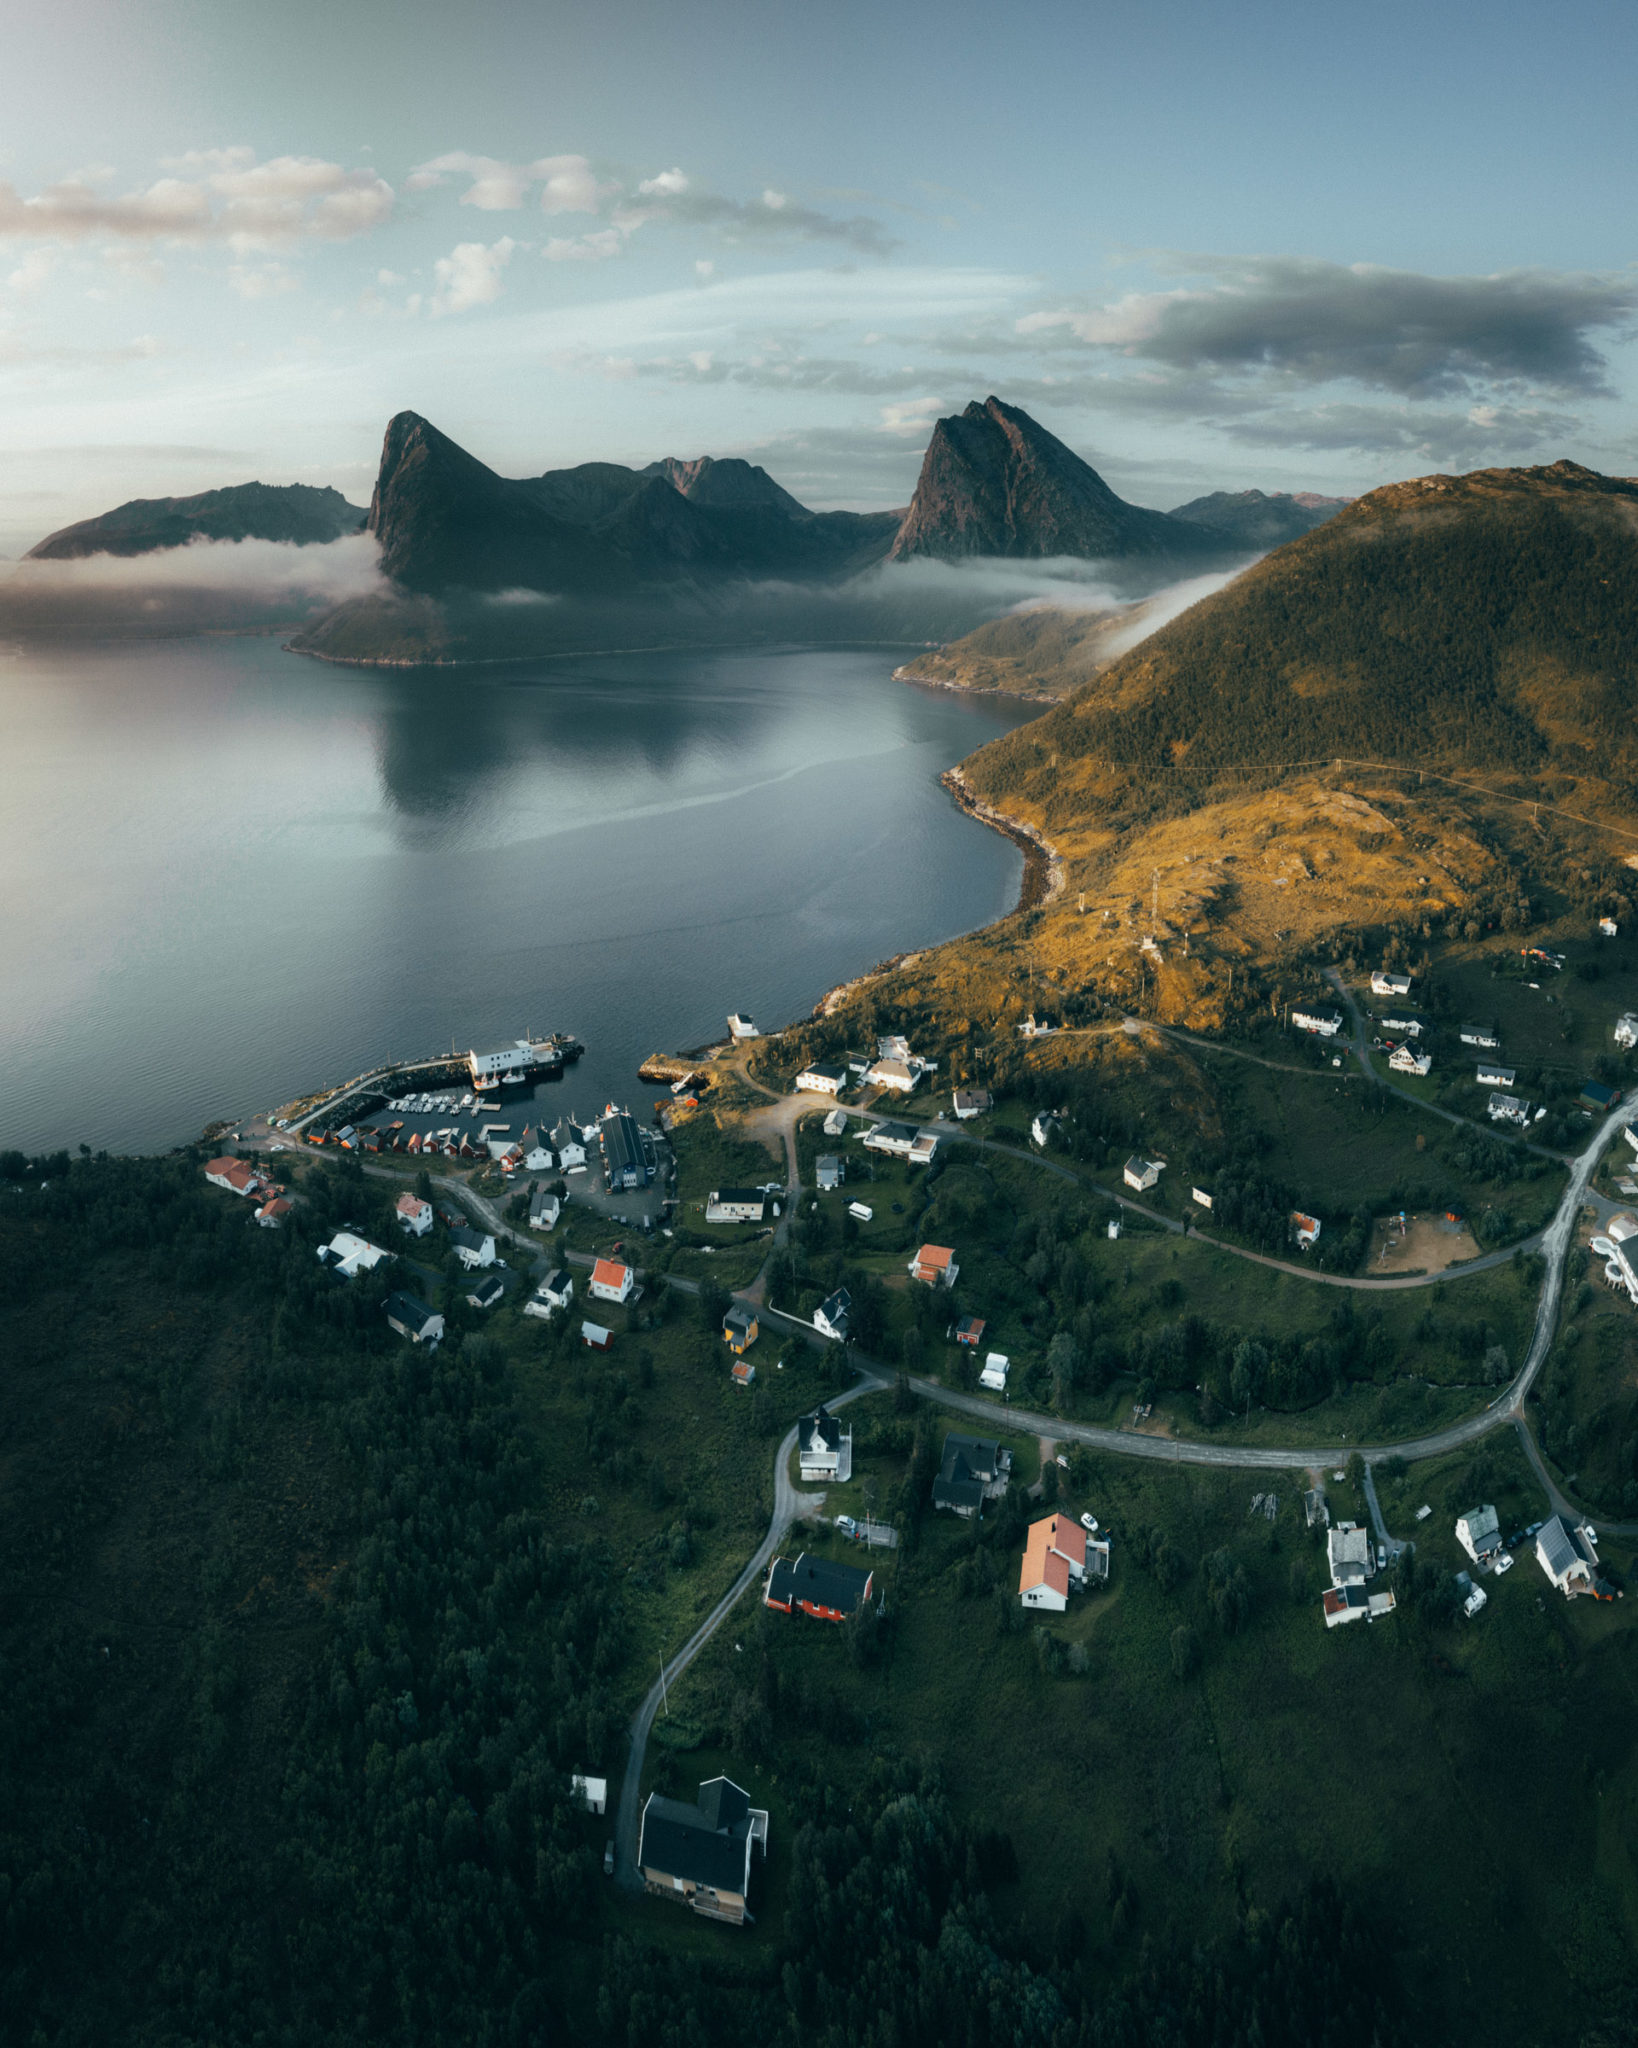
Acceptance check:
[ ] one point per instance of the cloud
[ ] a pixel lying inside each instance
(1390, 330)
(911, 415)
(570, 184)
(204, 584)
(470, 275)
(596, 247)
(1422, 435)
(33, 271)
(262, 280)
(231, 198)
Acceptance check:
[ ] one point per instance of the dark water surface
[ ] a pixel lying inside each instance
(232, 875)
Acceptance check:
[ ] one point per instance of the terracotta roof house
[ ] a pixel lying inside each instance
(233, 1174)
(701, 1854)
(971, 1102)
(818, 1586)
(970, 1330)
(271, 1214)
(414, 1215)
(935, 1266)
(610, 1281)
(1054, 1561)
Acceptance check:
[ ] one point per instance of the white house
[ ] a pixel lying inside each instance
(1054, 1563)
(414, 1215)
(830, 1317)
(1142, 1174)
(1479, 1533)
(1403, 1060)
(272, 1213)
(1306, 1229)
(411, 1318)
(233, 1175)
(895, 1075)
(903, 1141)
(347, 1254)
(822, 1080)
(735, 1205)
(1386, 983)
(1626, 1029)
(1402, 1020)
(1042, 1127)
(591, 1793)
(1485, 1036)
(935, 1266)
(894, 1047)
(554, 1292)
(835, 1125)
(1349, 1554)
(1199, 1195)
(1508, 1109)
(828, 1171)
(1608, 926)
(544, 1211)
(538, 1159)
(611, 1281)
(1489, 1074)
(511, 1063)
(1036, 1027)
(742, 1027)
(566, 1142)
(473, 1248)
(994, 1376)
(824, 1449)
(971, 1102)
(1565, 1552)
(1325, 1023)
(1342, 1604)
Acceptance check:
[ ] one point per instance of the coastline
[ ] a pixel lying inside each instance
(1043, 866)
(908, 673)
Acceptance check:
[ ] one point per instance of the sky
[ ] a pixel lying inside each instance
(1210, 247)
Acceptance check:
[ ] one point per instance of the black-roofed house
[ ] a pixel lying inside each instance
(472, 1247)
(974, 1469)
(735, 1205)
(830, 1317)
(824, 1449)
(701, 1854)
(411, 1318)
(819, 1586)
(488, 1292)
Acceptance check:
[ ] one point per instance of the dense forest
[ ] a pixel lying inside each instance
(1479, 621)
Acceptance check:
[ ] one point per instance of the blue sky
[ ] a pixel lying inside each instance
(1209, 246)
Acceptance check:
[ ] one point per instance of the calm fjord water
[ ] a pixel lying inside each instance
(232, 875)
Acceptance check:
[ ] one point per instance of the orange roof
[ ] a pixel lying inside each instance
(221, 1165)
(1043, 1566)
(410, 1205)
(277, 1207)
(608, 1273)
(937, 1256)
(1067, 1538)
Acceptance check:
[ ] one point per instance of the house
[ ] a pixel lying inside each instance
(830, 1317)
(537, 1156)
(610, 1281)
(1054, 1562)
(1508, 1109)
(893, 1074)
(625, 1162)
(822, 1080)
(972, 1470)
(234, 1175)
(1042, 1127)
(895, 1047)
(994, 1376)
(969, 1330)
(828, 1171)
(411, 1318)
(701, 1854)
(414, 1215)
(824, 1449)
(1324, 1023)
(971, 1102)
(1349, 1554)
(554, 1292)
(1485, 1036)
(1141, 1173)
(1608, 926)
(1306, 1229)
(735, 1205)
(487, 1293)
(1489, 1074)
(742, 1027)
(1479, 1533)
(1626, 1029)
(1598, 1098)
(567, 1143)
(1036, 1027)
(1403, 1060)
(596, 1336)
(1564, 1550)
(1199, 1195)
(835, 1125)
(348, 1254)
(740, 1329)
(901, 1140)
(474, 1248)
(272, 1213)
(934, 1266)
(922, 1148)
(827, 1591)
(544, 1210)
(591, 1793)
(1405, 1022)
(1341, 1604)
(1384, 982)
(742, 1372)
(490, 1069)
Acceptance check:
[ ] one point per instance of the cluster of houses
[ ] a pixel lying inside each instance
(239, 1177)
(895, 1068)
(1565, 1551)
(625, 1151)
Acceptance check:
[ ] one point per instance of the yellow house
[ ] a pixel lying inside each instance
(740, 1329)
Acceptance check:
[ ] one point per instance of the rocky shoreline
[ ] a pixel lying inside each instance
(908, 673)
(1043, 868)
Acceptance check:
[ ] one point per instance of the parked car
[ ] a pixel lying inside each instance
(1090, 1524)
(1502, 1563)
(608, 1858)
(846, 1526)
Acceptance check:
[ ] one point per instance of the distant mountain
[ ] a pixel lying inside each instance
(446, 522)
(286, 512)
(995, 482)
(1256, 519)
(1044, 652)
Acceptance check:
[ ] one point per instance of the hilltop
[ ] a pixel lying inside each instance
(298, 513)
(1256, 519)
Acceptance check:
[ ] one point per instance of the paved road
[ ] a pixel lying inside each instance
(789, 1502)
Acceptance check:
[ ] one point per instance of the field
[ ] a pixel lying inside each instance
(1475, 1784)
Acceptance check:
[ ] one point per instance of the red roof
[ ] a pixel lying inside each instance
(937, 1256)
(277, 1207)
(410, 1205)
(609, 1273)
